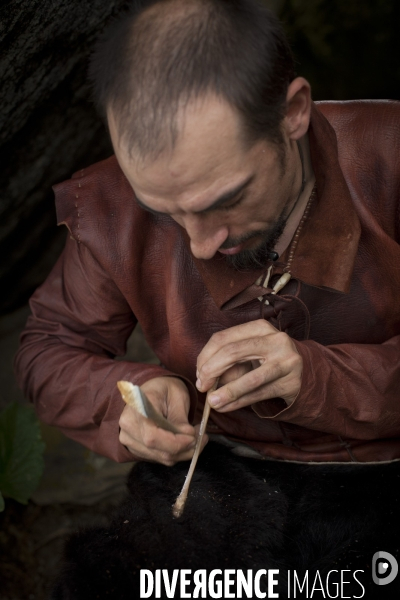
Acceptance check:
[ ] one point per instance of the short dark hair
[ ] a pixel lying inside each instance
(163, 53)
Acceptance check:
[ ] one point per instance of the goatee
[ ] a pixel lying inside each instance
(256, 258)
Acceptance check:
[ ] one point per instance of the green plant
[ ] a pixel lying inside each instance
(21, 453)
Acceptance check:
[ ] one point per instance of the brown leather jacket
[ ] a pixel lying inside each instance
(122, 265)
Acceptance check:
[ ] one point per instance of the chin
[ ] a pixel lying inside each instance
(249, 259)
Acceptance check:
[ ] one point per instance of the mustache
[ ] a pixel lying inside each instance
(232, 242)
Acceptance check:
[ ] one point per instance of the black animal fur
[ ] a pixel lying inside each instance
(241, 514)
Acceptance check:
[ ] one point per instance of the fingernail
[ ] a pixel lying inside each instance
(214, 400)
(198, 384)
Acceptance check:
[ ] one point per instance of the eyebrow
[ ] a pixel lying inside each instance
(223, 199)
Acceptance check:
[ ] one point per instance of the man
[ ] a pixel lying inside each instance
(250, 247)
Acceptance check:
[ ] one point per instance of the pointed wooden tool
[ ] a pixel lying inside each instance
(178, 507)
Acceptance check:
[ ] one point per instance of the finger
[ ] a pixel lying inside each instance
(256, 348)
(236, 371)
(246, 384)
(171, 399)
(188, 455)
(177, 412)
(169, 459)
(165, 457)
(265, 392)
(138, 431)
(279, 380)
(233, 334)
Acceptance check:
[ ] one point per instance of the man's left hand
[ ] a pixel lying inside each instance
(254, 362)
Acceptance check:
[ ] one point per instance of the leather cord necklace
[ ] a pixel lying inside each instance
(273, 255)
(286, 275)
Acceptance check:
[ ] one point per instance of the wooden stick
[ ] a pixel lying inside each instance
(179, 505)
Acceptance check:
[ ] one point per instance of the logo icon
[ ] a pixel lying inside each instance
(384, 568)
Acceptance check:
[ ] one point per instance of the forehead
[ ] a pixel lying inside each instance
(209, 156)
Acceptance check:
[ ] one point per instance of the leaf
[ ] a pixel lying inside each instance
(21, 452)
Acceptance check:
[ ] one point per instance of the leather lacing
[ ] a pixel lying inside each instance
(272, 299)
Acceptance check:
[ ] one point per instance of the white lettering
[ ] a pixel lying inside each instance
(343, 582)
(185, 582)
(158, 583)
(257, 578)
(215, 588)
(228, 583)
(244, 585)
(335, 585)
(272, 582)
(305, 583)
(170, 586)
(200, 579)
(146, 579)
(359, 582)
(319, 589)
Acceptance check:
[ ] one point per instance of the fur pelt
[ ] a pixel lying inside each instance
(240, 514)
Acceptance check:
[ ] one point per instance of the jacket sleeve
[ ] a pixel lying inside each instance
(80, 321)
(351, 390)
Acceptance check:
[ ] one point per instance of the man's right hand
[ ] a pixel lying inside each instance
(146, 441)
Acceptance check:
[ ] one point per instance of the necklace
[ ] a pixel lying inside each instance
(286, 275)
(273, 255)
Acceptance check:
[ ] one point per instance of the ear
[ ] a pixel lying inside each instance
(298, 108)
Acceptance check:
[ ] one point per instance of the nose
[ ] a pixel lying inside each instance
(206, 236)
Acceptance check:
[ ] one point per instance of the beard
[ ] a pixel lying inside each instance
(255, 258)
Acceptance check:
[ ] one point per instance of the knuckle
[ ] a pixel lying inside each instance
(281, 338)
(295, 362)
(149, 439)
(258, 343)
(232, 349)
(123, 420)
(205, 370)
(218, 337)
(257, 378)
(264, 325)
(166, 459)
(275, 371)
(123, 437)
(230, 393)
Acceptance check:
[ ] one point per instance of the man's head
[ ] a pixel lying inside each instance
(198, 96)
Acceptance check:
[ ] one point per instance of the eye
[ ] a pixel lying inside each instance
(232, 204)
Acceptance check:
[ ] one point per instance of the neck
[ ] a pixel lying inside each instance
(306, 184)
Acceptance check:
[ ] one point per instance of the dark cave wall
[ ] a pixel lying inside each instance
(48, 127)
(347, 49)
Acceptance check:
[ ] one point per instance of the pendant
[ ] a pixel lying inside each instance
(282, 281)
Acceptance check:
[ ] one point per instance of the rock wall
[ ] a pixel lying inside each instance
(48, 127)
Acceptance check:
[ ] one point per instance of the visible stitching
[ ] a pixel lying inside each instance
(78, 210)
(78, 227)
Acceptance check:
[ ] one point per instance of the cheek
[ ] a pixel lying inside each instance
(250, 217)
